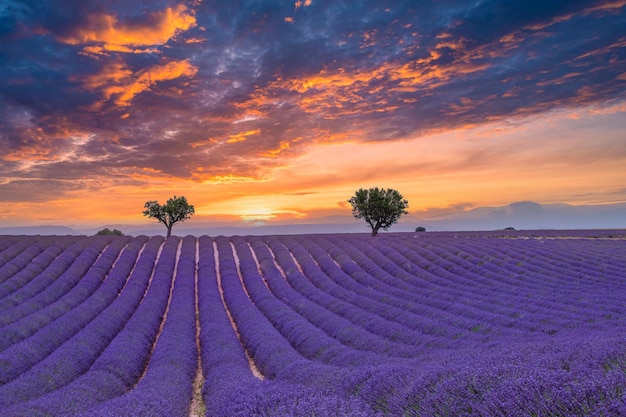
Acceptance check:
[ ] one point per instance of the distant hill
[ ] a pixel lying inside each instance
(520, 215)
(38, 230)
(531, 215)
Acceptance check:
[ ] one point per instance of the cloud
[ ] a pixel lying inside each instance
(108, 33)
(305, 3)
(40, 190)
(611, 6)
(241, 136)
(229, 93)
(119, 81)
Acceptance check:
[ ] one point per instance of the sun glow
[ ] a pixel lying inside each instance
(256, 214)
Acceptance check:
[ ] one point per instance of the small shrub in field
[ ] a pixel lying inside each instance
(107, 232)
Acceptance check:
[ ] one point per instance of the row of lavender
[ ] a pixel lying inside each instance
(534, 321)
(336, 324)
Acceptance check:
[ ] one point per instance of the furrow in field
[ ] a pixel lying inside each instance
(63, 317)
(15, 248)
(10, 293)
(555, 289)
(167, 308)
(197, 408)
(81, 336)
(67, 291)
(330, 339)
(166, 388)
(349, 326)
(15, 265)
(488, 306)
(7, 241)
(269, 349)
(118, 368)
(253, 368)
(368, 315)
(329, 278)
(463, 289)
(401, 324)
(446, 322)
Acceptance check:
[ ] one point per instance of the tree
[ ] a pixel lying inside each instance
(177, 209)
(108, 232)
(379, 207)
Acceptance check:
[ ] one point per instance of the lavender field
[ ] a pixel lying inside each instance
(404, 324)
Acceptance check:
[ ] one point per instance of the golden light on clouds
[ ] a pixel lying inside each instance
(298, 4)
(112, 34)
(281, 111)
(242, 136)
(230, 179)
(613, 6)
(487, 164)
(338, 93)
(305, 3)
(273, 153)
(249, 206)
(117, 80)
(113, 73)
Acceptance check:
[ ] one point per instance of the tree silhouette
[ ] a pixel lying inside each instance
(177, 209)
(379, 207)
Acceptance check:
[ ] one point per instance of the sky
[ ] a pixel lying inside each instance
(278, 111)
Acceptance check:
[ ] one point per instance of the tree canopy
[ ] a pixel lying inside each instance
(177, 209)
(379, 207)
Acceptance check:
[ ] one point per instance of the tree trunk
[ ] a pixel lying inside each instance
(374, 231)
(169, 230)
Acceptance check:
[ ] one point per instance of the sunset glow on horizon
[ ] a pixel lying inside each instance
(277, 112)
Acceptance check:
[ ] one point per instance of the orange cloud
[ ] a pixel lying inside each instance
(195, 40)
(275, 152)
(115, 73)
(118, 80)
(612, 6)
(231, 179)
(305, 3)
(369, 38)
(331, 93)
(297, 5)
(605, 50)
(29, 155)
(558, 19)
(119, 36)
(97, 50)
(202, 143)
(54, 142)
(149, 77)
(561, 80)
(338, 93)
(242, 136)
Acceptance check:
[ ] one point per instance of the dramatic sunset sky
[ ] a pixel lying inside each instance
(261, 111)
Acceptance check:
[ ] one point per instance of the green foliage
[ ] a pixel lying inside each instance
(177, 209)
(379, 207)
(420, 229)
(107, 232)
